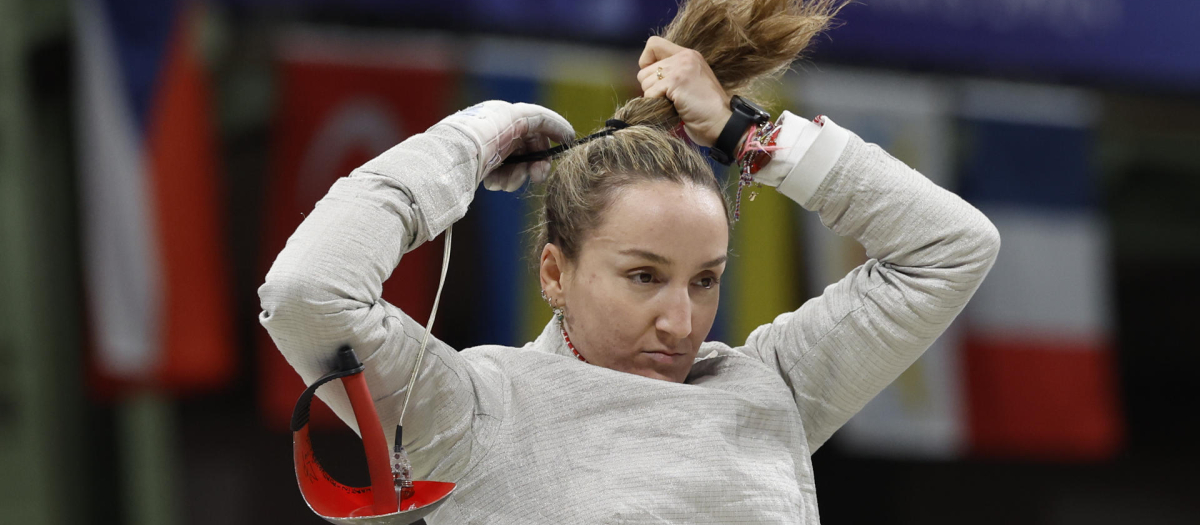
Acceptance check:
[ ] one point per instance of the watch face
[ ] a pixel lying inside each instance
(750, 108)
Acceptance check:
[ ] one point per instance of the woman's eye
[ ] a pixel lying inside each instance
(642, 278)
(707, 282)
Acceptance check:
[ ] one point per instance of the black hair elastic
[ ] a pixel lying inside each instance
(611, 124)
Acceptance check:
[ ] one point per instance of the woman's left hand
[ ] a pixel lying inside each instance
(683, 77)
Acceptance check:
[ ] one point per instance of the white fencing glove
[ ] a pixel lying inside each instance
(500, 129)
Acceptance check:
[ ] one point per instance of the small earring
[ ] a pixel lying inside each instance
(559, 312)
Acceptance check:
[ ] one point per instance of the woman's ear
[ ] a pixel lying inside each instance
(552, 271)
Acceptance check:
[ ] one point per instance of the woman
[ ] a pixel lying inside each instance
(619, 411)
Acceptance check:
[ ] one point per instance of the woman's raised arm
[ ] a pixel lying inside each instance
(928, 252)
(324, 289)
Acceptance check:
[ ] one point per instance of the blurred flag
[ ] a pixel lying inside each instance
(1039, 361)
(761, 276)
(157, 281)
(511, 71)
(343, 100)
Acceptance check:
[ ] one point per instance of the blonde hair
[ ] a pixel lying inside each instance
(744, 42)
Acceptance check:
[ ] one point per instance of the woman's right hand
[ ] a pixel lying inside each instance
(684, 77)
(501, 129)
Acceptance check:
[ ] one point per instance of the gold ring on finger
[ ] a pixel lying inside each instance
(659, 73)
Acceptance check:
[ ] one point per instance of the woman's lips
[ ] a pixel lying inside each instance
(664, 357)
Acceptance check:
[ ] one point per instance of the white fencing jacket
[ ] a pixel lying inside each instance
(533, 435)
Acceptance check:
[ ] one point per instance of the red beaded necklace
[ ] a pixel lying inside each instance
(567, 338)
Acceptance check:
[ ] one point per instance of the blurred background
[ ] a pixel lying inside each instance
(156, 154)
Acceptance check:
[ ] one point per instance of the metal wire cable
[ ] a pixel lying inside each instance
(429, 326)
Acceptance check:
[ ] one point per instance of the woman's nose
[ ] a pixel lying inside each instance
(675, 317)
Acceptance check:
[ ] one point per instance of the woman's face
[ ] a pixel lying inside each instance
(643, 292)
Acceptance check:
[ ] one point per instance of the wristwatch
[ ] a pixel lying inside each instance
(745, 113)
